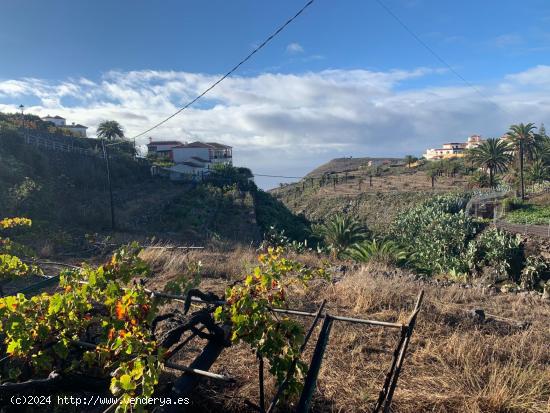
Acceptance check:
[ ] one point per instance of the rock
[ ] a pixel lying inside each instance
(508, 288)
(477, 314)
(546, 293)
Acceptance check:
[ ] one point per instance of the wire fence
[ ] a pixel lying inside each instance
(488, 204)
(42, 141)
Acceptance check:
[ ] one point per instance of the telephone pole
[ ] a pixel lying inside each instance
(108, 166)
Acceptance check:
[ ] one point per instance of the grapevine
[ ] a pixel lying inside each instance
(248, 311)
(94, 305)
(100, 322)
(11, 266)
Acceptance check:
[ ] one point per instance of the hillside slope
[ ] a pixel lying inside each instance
(349, 187)
(68, 193)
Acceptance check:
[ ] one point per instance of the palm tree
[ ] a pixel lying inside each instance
(525, 140)
(542, 151)
(433, 173)
(110, 129)
(409, 159)
(493, 155)
(383, 252)
(538, 172)
(340, 232)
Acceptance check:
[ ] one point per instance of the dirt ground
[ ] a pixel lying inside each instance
(456, 362)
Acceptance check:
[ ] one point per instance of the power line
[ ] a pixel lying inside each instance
(231, 71)
(279, 176)
(429, 49)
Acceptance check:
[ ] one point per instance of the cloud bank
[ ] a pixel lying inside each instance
(285, 124)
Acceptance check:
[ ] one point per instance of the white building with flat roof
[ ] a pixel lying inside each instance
(75, 128)
(453, 149)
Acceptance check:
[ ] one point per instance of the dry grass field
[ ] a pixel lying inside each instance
(455, 363)
(376, 205)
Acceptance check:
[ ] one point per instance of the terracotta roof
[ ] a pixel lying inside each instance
(208, 145)
(164, 143)
(218, 145)
(78, 125)
(196, 145)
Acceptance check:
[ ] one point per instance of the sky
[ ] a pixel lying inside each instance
(344, 79)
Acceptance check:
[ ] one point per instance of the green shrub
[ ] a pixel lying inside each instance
(535, 273)
(385, 252)
(436, 233)
(341, 232)
(530, 214)
(497, 249)
(511, 204)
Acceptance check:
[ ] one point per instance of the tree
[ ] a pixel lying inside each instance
(433, 173)
(493, 155)
(525, 140)
(542, 131)
(409, 159)
(542, 151)
(538, 172)
(110, 130)
(479, 179)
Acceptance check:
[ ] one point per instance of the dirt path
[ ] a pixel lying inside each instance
(537, 230)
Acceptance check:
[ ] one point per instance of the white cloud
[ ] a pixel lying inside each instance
(294, 48)
(507, 40)
(288, 123)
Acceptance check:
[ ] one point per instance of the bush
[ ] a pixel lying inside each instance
(341, 232)
(511, 204)
(385, 252)
(497, 249)
(436, 233)
(535, 274)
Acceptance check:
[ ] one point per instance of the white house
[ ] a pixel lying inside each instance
(162, 149)
(56, 120)
(205, 152)
(76, 129)
(195, 158)
(453, 149)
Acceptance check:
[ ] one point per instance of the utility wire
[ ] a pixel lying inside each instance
(279, 176)
(432, 51)
(231, 71)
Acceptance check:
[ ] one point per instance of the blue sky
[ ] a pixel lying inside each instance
(332, 84)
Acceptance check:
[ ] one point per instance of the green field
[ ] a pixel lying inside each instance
(530, 214)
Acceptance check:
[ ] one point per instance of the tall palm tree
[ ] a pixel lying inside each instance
(110, 129)
(494, 155)
(525, 140)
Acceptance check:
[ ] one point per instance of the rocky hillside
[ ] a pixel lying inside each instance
(374, 195)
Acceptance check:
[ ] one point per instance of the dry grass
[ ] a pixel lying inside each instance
(454, 363)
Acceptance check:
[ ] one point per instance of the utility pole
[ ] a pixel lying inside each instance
(521, 169)
(108, 166)
(22, 109)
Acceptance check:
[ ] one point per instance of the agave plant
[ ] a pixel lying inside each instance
(385, 252)
(340, 232)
